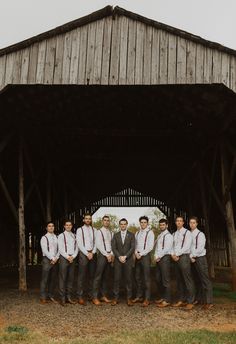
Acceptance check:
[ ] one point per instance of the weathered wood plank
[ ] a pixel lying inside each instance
(181, 60)
(191, 62)
(106, 50)
(59, 59)
(155, 56)
(123, 50)
(17, 68)
(131, 54)
(83, 54)
(147, 58)
(216, 67)
(207, 65)
(75, 46)
(66, 58)
(199, 64)
(41, 62)
(139, 53)
(172, 49)
(225, 69)
(115, 52)
(33, 63)
(233, 73)
(163, 57)
(90, 53)
(97, 67)
(9, 68)
(25, 66)
(50, 60)
(2, 71)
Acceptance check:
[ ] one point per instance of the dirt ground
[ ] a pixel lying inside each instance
(90, 321)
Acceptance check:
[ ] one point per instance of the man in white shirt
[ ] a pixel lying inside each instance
(180, 255)
(68, 250)
(123, 246)
(86, 240)
(198, 258)
(104, 259)
(162, 256)
(50, 253)
(144, 242)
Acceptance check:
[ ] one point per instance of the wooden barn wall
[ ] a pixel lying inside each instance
(121, 51)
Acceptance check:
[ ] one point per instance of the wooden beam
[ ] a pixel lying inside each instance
(33, 185)
(9, 199)
(49, 194)
(216, 197)
(22, 253)
(229, 212)
(5, 141)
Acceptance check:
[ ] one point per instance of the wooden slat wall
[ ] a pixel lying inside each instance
(118, 51)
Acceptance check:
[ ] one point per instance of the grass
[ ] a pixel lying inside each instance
(128, 337)
(223, 291)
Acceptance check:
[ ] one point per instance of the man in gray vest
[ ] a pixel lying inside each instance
(198, 258)
(68, 250)
(180, 255)
(123, 246)
(50, 252)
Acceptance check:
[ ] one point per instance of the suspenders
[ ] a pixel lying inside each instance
(163, 241)
(197, 240)
(184, 238)
(103, 239)
(145, 240)
(47, 242)
(66, 243)
(84, 238)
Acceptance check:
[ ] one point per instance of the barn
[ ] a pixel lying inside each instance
(116, 109)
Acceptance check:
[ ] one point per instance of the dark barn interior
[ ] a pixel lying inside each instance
(64, 148)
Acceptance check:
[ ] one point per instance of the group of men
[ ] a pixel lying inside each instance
(99, 250)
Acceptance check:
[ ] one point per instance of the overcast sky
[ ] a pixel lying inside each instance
(211, 19)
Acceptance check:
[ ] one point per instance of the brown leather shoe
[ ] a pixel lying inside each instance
(159, 301)
(163, 304)
(105, 299)
(208, 306)
(71, 301)
(137, 299)
(82, 302)
(43, 301)
(145, 303)
(96, 302)
(178, 304)
(114, 302)
(189, 306)
(53, 300)
(130, 303)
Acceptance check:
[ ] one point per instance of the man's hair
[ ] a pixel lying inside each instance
(143, 218)
(49, 222)
(87, 214)
(193, 218)
(179, 217)
(163, 221)
(105, 217)
(123, 220)
(67, 220)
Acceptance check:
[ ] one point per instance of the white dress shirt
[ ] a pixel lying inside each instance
(49, 246)
(104, 246)
(164, 244)
(198, 244)
(182, 242)
(67, 244)
(123, 235)
(144, 241)
(86, 239)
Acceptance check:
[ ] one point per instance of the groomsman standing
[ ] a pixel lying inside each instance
(144, 242)
(162, 257)
(104, 260)
(86, 237)
(180, 255)
(68, 250)
(123, 246)
(198, 258)
(50, 252)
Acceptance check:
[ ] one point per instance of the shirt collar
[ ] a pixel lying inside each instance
(195, 231)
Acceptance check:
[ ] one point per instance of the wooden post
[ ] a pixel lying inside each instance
(207, 227)
(49, 196)
(22, 256)
(229, 213)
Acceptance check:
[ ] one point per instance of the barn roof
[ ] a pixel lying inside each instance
(113, 11)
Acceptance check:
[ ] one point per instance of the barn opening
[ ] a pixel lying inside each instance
(64, 148)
